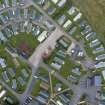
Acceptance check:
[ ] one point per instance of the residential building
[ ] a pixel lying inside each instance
(94, 43)
(61, 19)
(97, 81)
(14, 84)
(24, 73)
(42, 36)
(5, 77)
(100, 65)
(56, 66)
(61, 3)
(100, 57)
(2, 63)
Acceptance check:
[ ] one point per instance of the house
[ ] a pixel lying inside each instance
(44, 78)
(2, 93)
(36, 30)
(76, 71)
(100, 65)
(17, 13)
(11, 72)
(97, 81)
(44, 85)
(41, 99)
(94, 43)
(58, 60)
(58, 87)
(82, 24)
(103, 74)
(59, 102)
(73, 10)
(10, 14)
(21, 81)
(2, 6)
(21, 2)
(7, 32)
(14, 3)
(72, 30)
(33, 14)
(9, 100)
(14, 84)
(5, 76)
(51, 10)
(63, 43)
(6, 2)
(38, 17)
(64, 99)
(24, 73)
(86, 30)
(67, 24)
(61, 3)
(29, 27)
(90, 36)
(55, 1)
(61, 54)
(56, 66)
(48, 24)
(100, 57)
(72, 78)
(44, 93)
(42, 36)
(99, 49)
(77, 17)
(26, 13)
(21, 27)
(2, 63)
(3, 19)
(61, 19)
(14, 29)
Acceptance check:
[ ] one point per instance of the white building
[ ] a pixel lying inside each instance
(42, 36)
(103, 73)
(67, 24)
(100, 57)
(100, 65)
(55, 1)
(72, 10)
(61, 3)
(2, 63)
(2, 93)
(77, 17)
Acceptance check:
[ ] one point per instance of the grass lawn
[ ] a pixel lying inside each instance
(36, 88)
(94, 12)
(31, 41)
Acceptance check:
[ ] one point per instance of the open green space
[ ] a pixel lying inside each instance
(23, 38)
(36, 88)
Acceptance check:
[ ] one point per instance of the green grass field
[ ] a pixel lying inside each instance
(30, 40)
(94, 12)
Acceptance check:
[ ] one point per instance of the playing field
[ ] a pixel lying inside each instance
(94, 12)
